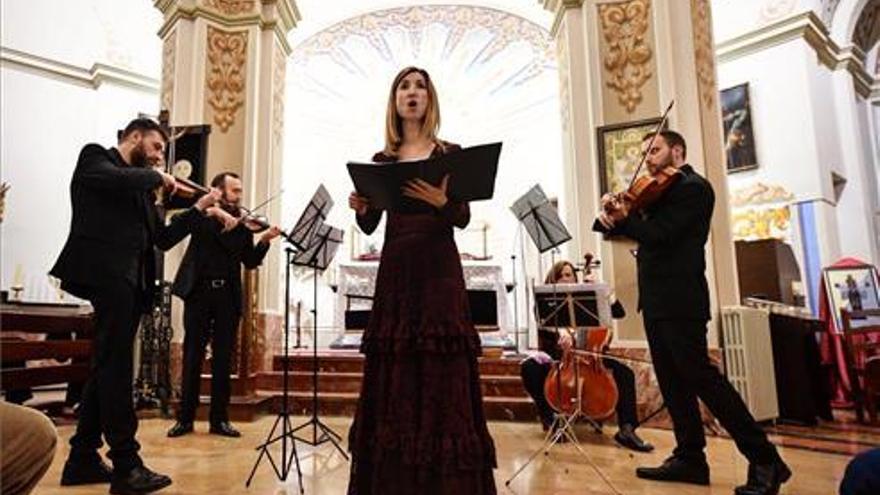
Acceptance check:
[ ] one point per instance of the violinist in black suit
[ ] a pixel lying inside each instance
(109, 259)
(209, 282)
(674, 300)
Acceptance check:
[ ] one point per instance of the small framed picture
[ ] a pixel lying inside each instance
(620, 150)
(739, 140)
(853, 289)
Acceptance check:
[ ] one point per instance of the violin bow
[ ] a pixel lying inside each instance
(659, 128)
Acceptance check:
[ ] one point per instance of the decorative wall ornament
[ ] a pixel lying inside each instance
(564, 79)
(773, 10)
(760, 194)
(704, 51)
(168, 64)
(458, 20)
(278, 77)
(227, 57)
(761, 211)
(231, 7)
(624, 27)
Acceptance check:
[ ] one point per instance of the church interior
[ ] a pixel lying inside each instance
(778, 101)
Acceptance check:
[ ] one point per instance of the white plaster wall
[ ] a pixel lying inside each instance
(783, 119)
(45, 120)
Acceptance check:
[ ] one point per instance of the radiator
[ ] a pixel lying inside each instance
(748, 358)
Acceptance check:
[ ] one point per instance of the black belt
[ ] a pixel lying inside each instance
(215, 283)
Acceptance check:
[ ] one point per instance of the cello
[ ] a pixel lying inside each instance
(580, 383)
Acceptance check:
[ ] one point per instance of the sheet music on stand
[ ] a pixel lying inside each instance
(573, 305)
(321, 249)
(311, 220)
(541, 219)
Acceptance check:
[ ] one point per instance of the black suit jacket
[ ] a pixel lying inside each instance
(237, 249)
(114, 226)
(671, 260)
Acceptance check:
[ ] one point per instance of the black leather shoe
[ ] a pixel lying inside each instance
(676, 469)
(765, 479)
(179, 429)
(85, 472)
(626, 437)
(225, 429)
(137, 481)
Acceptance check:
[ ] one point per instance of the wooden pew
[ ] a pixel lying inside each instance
(59, 324)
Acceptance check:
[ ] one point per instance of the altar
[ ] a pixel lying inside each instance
(356, 282)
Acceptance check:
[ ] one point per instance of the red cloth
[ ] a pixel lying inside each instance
(831, 343)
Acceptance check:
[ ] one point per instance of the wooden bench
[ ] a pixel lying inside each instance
(68, 331)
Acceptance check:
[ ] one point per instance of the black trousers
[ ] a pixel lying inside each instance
(107, 402)
(208, 314)
(534, 374)
(685, 372)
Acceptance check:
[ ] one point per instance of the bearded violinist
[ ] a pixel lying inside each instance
(209, 282)
(674, 300)
(109, 260)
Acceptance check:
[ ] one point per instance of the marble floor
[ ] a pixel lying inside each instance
(206, 464)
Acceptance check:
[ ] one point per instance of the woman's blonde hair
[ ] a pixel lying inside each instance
(393, 122)
(555, 272)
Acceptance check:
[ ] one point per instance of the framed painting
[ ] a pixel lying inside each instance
(739, 140)
(620, 150)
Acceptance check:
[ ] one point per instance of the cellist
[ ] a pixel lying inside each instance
(551, 343)
(674, 299)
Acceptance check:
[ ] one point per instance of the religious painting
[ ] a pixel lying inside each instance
(852, 289)
(739, 140)
(620, 151)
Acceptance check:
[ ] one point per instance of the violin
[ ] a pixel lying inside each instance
(644, 190)
(580, 382)
(252, 221)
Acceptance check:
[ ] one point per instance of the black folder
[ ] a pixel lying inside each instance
(471, 176)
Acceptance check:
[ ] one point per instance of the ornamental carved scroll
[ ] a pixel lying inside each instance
(227, 56)
(231, 7)
(704, 51)
(625, 28)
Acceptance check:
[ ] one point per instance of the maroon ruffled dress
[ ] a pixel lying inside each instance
(419, 426)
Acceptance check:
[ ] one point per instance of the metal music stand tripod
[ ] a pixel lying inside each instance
(318, 256)
(568, 314)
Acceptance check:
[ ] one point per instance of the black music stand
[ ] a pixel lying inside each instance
(565, 309)
(284, 416)
(313, 216)
(317, 256)
(535, 212)
(541, 219)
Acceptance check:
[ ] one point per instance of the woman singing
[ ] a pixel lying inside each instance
(419, 426)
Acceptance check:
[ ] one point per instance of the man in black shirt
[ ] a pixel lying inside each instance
(109, 260)
(674, 300)
(209, 282)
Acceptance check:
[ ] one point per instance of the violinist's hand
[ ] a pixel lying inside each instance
(606, 220)
(619, 211)
(209, 199)
(607, 200)
(565, 340)
(434, 196)
(228, 221)
(270, 234)
(168, 182)
(360, 204)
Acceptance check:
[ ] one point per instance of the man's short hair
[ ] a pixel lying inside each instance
(672, 139)
(144, 125)
(219, 180)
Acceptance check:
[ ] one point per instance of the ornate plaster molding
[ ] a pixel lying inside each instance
(227, 59)
(625, 28)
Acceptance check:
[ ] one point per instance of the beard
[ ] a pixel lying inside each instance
(139, 156)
